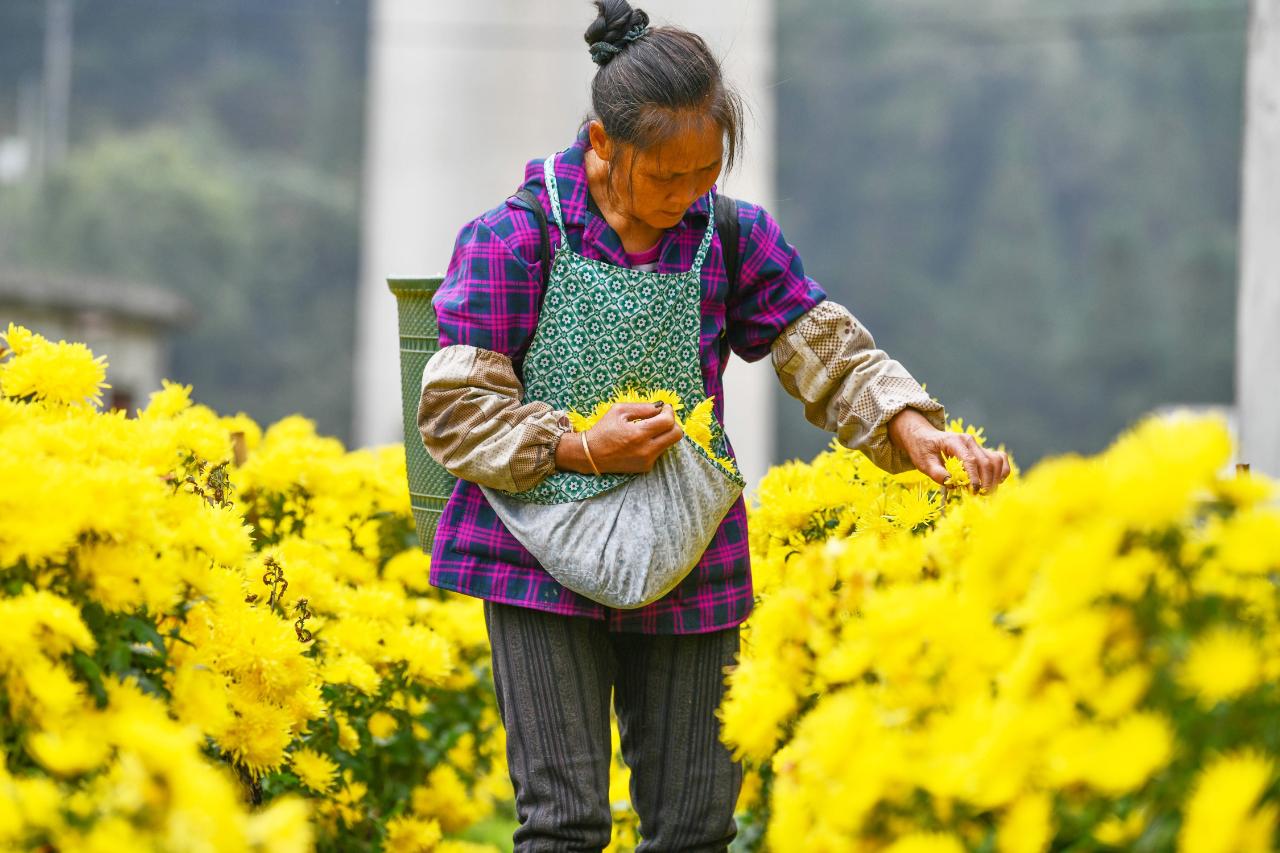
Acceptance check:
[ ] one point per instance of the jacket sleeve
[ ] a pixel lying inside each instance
(473, 423)
(829, 361)
(471, 413)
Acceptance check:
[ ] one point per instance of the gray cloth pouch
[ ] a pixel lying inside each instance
(631, 545)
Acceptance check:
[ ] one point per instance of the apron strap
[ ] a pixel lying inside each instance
(705, 245)
(553, 192)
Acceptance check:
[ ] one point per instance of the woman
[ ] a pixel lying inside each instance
(633, 195)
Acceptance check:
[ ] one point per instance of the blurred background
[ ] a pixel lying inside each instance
(1033, 204)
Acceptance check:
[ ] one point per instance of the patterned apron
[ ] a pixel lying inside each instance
(604, 327)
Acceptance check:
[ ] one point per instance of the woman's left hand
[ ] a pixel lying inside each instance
(925, 444)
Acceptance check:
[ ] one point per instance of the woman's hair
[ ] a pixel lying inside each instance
(654, 82)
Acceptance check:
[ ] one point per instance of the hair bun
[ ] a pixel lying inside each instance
(616, 26)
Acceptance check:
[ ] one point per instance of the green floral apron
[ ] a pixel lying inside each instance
(604, 327)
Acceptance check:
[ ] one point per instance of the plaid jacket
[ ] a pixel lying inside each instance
(490, 299)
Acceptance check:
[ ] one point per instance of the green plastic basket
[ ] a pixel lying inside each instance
(429, 484)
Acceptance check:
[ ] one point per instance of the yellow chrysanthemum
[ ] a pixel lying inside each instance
(1223, 663)
(348, 737)
(200, 697)
(349, 799)
(18, 339)
(958, 476)
(1249, 541)
(1130, 752)
(698, 425)
(1027, 827)
(910, 507)
(629, 394)
(318, 772)
(69, 751)
(1220, 814)
(172, 399)
(411, 568)
(1119, 831)
(382, 724)
(445, 798)
(282, 826)
(754, 721)
(259, 734)
(409, 834)
(60, 373)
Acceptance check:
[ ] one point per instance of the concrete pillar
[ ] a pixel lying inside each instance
(1258, 322)
(461, 94)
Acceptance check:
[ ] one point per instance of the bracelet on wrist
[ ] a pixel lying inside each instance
(587, 451)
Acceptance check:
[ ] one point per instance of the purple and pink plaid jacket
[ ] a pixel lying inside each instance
(490, 299)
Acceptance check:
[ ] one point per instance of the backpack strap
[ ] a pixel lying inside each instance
(728, 228)
(544, 253)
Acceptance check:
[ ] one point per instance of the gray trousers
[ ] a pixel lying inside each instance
(553, 677)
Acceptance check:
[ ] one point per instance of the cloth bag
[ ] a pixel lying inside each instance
(631, 545)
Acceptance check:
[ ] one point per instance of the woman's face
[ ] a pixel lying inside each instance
(666, 178)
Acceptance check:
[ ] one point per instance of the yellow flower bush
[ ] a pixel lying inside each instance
(1086, 659)
(222, 638)
(219, 638)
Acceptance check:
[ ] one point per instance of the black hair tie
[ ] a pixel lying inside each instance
(603, 51)
(635, 33)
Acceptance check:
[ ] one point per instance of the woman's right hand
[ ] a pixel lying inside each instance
(627, 440)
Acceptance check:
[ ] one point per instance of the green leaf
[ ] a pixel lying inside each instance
(117, 656)
(92, 673)
(146, 632)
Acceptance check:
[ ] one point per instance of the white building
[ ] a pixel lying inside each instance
(125, 321)
(462, 93)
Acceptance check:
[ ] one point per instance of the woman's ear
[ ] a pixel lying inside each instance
(600, 141)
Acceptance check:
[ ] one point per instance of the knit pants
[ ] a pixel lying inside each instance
(553, 676)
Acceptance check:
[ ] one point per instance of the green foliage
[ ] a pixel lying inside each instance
(218, 156)
(1032, 205)
(267, 258)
